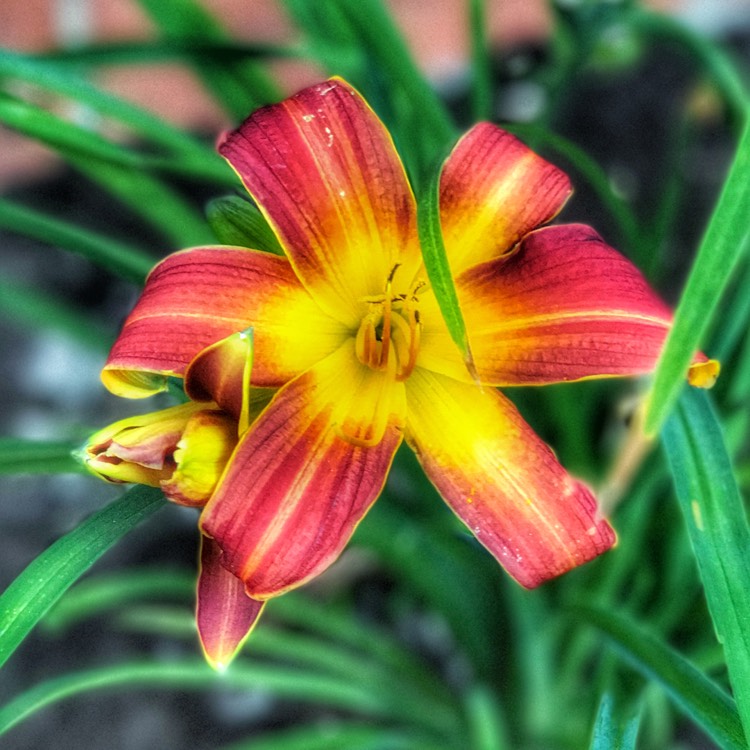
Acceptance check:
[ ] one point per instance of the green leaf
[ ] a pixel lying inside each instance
(236, 221)
(194, 51)
(45, 579)
(62, 135)
(702, 700)
(481, 70)
(413, 549)
(240, 86)
(126, 261)
(611, 732)
(19, 456)
(112, 591)
(324, 656)
(31, 307)
(487, 728)
(730, 331)
(124, 592)
(190, 674)
(338, 735)
(718, 530)
(438, 268)
(151, 199)
(726, 237)
(49, 75)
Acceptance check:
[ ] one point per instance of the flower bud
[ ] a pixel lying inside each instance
(183, 450)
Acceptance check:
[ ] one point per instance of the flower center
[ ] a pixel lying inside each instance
(388, 336)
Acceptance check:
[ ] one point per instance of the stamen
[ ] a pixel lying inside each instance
(415, 330)
(388, 338)
(385, 336)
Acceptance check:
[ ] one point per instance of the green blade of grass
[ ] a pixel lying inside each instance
(70, 139)
(413, 549)
(718, 530)
(730, 332)
(427, 127)
(612, 732)
(61, 135)
(240, 86)
(324, 656)
(358, 39)
(438, 268)
(31, 307)
(338, 735)
(45, 579)
(49, 76)
(700, 699)
(19, 456)
(194, 51)
(273, 679)
(124, 260)
(487, 726)
(151, 199)
(236, 221)
(123, 592)
(726, 237)
(112, 591)
(481, 72)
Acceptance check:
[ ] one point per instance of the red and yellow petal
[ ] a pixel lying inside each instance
(325, 172)
(222, 373)
(225, 614)
(306, 473)
(501, 480)
(493, 191)
(197, 297)
(565, 306)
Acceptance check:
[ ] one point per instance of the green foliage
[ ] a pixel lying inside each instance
(726, 238)
(717, 524)
(236, 221)
(47, 578)
(610, 731)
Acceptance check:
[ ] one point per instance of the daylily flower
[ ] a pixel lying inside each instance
(349, 331)
(183, 450)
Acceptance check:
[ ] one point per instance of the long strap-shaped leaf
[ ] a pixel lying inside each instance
(438, 268)
(725, 239)
(612, 731)
(45, 579)
(718, 529)
(699, 698)
(120, 258)
(192, 674)
(20, 456)
(240, 86)
(53, 77)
